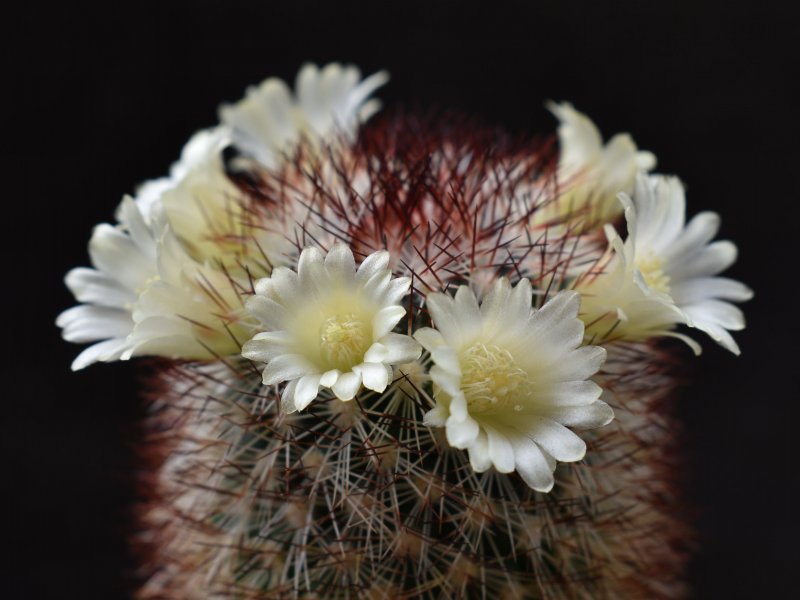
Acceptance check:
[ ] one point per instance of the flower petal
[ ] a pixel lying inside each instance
(87, 323)
(269, 313)
(558, 311)
(461, 434)
(710, 260)
(395, 290)
(375, 376)
(494, 304)
(721, 313)
(466, 305)
(531, 464)
(556, 439)
(441, 309)
(329, 378)
(698, 232)
(112, 251)
(347, 386)
(104, 351)
(377, 352)
(285, 368)
(436, 417)
(399, 349)
(287, 397)
(340, 264)
(578, 364)
(703, 288)
(95, 287)
(518, 307)
(385, 320)
(568, 393)
(284, 287)
(429, 338)
(479, 453)
(375, 264)
(501, 451)
(448, 382)
(310, 264)
(447, 360)
(266, 346)
(307, 389)
(588, 416)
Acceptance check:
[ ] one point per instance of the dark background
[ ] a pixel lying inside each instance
(100, 99)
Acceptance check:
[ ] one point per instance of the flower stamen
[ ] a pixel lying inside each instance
(343, 340)
(651, 267)
(491, 379)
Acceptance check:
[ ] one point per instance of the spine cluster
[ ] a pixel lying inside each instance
(360, 500)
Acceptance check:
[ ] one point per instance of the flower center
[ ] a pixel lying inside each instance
(491, 379)
(343, 340)
(651, 267)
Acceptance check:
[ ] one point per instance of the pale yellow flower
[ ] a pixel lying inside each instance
(329, 325)
(509, 380)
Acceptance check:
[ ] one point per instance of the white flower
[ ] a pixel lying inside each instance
(269, 121)
(509, 379)
(124, 257)
(665, 272)
(593, 173)
(330, 325)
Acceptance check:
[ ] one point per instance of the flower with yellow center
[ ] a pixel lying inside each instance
(664, 274)
(508, 380)
(329, 325)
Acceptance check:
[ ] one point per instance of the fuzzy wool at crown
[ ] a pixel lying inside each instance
(405, 359)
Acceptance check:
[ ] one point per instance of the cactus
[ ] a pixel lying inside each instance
(360, 499)
(244, 496)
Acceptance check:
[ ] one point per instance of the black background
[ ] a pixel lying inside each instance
(100, 99)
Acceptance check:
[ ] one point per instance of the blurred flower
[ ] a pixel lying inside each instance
(327, 102)
(591, 173)
(124, 257)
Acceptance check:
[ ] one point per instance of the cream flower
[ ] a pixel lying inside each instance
(216, 222)
(509, 380)
(665, 272)
(147, 294)
(189, 310)
(330, 325)
(593, 173)
(203, 149)
(125, 259)
(269, 121)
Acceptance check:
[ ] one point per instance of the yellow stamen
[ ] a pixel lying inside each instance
(651, 267)
(343, 341)
(492, 380)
